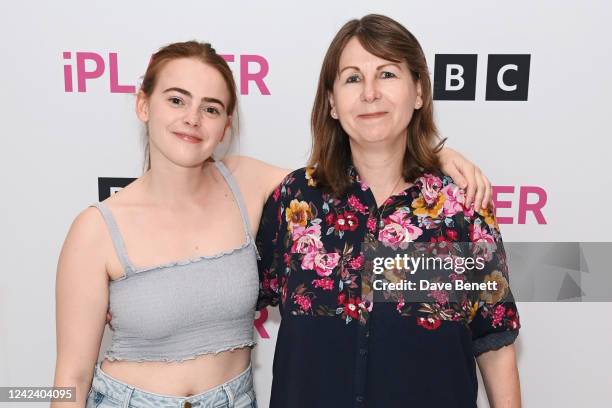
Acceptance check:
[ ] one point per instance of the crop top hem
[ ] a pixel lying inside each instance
(112, 356)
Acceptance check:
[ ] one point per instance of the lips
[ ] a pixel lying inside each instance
(189, 138)
(372, 115)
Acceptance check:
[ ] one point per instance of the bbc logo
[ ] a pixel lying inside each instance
(108, 186)
(507, 77)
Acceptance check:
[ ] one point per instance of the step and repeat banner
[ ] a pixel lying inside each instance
(521, 88)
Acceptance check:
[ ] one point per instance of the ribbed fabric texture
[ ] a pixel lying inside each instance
(179, 310)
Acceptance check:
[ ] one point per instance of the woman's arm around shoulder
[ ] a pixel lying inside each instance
(256, 175)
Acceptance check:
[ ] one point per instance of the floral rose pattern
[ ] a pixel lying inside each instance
(312, 255)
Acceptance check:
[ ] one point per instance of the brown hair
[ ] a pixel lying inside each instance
(331, 152)
(205, 53)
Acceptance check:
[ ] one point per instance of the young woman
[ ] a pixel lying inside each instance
(172, 255)
(374, 180)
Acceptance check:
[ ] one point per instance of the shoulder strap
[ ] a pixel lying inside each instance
(231, 182)
(115, 236)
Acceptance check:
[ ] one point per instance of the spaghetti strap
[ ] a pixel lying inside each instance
(231, 182)
(115, 236)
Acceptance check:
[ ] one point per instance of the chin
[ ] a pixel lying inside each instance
(374, 137)
(182, 154)
(190, 163)
(187, 160)
(382, 135)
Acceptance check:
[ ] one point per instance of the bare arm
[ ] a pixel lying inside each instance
(265, 177)
(257, 174)
(81, 303)
(500, 376)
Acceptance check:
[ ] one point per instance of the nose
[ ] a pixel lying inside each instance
(370, 91)
(192, 118)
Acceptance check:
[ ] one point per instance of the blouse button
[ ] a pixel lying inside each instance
(186, 404)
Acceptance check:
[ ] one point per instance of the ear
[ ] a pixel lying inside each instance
(142, 107)
(228, 126)
(418, 104)
(330, 98)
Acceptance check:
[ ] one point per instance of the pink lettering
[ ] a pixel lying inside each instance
(535, 208)
(67, 73)
(259, 324)
(82, 74)
(91, 65)
(114, 77)
(257, 77)
(502, 204)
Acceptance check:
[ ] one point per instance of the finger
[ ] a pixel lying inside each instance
(451, 169)
(455, 173)
(486, 201)
(480, 190)
(471, 188)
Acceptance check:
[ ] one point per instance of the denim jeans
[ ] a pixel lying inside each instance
(107, 392)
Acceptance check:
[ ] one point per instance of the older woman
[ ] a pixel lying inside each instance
(374, 177)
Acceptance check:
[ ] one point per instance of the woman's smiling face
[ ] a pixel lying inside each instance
(374, 98)
(186, 114)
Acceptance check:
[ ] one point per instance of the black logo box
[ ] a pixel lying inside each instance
(106, 185)
(515, 76)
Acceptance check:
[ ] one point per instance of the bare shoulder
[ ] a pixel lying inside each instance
(87, 236)
(253, 172)
(88, 224)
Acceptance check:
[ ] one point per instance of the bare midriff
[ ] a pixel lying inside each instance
(180, 379)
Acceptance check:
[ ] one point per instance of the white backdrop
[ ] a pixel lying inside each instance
(55, 144)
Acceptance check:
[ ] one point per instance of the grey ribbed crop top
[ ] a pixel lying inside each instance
(179, 310)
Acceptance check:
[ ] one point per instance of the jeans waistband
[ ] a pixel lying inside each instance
(127, 395)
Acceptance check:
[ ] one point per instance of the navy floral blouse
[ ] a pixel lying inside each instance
(336, 346)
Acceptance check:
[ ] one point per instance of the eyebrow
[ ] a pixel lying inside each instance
(187, 93)
(378, 68)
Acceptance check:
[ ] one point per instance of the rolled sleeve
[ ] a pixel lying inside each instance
(495, 321)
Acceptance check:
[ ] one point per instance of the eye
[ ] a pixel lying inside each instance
(387, 74)
(175, 100)
(353, 78)
(211, 110)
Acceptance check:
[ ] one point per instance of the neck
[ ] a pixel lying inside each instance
(174, 186)
(380, 167)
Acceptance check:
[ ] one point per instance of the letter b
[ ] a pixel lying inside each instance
(455, 77)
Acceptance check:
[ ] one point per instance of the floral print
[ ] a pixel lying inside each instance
(398, 232)
(297, 214)
(314, 265)
(324, 236)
